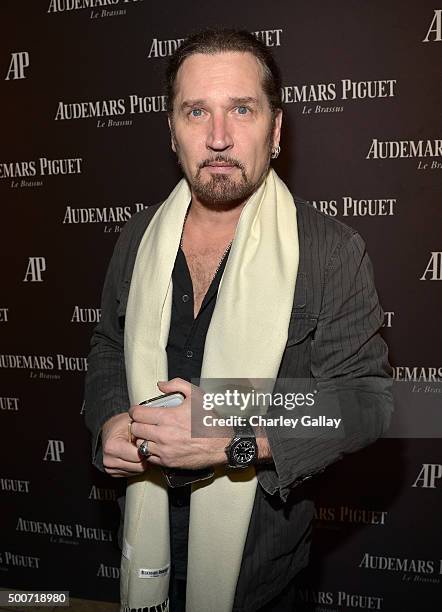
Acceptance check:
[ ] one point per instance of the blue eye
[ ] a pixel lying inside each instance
(242, 110)
(196, 112)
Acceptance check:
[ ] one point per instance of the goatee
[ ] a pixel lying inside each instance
(221, 191)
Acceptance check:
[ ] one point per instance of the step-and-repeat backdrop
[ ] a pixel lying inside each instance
(84, 145)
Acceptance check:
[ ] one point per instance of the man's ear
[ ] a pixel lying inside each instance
(172, 136)
(277, 128)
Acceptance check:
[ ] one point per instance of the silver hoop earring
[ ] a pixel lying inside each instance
(276, 151)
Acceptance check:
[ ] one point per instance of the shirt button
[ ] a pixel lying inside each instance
(185, 298)
(189, 353)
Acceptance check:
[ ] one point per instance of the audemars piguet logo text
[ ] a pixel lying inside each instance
(58, 362)
(104, 111)
(429, 476)
(349, 206)
(19, 62)
(434, 32)
(388, 318)
(67, 530)
(108, 571)
(165, 48)
(85, 315)
(403, 149)
(417, 374)
(420, 567)
(105, 214)
(346, 514)
(103, 8)
(342, 599)
(18, 560)
(311, 94)
(42, 167)
(9, 403)
(101, 494)
(13, 485)
(54, 451)
(112, 218)
(34, 270)
(433, 271)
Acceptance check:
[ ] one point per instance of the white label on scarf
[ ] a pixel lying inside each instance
(127, 550)
(153, 573)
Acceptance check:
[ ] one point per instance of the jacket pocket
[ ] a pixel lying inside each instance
(301, 327)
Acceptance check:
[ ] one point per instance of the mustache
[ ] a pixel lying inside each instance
(221, 158)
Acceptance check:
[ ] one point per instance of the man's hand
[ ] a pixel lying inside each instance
(120, 457)
(168, 432)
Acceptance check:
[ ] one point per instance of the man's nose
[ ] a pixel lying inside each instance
(219, 136)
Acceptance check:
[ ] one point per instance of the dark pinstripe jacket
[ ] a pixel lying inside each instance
(333, 338)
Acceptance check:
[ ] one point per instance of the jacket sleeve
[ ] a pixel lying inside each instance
(106, 391)
(351, 373)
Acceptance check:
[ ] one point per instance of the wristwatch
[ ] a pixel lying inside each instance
(242, 450)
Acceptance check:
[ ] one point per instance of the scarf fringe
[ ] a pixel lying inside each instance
(163, 607)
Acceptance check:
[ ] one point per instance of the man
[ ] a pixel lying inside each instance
(228, 278)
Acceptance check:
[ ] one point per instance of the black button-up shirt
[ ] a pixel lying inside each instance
(185, 350)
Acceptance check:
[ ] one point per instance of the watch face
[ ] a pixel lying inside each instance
(244, 452)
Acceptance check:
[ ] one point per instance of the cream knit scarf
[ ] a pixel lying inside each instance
(246, 339)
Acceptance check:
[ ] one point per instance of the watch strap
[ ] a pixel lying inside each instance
(244, 431)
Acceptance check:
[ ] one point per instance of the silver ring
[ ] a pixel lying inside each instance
(143, 450)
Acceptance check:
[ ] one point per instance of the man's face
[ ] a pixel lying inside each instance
(222, 127)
